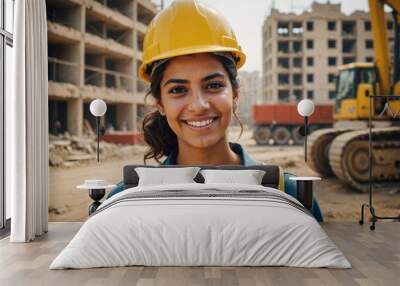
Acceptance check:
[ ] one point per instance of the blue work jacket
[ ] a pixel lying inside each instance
(246, 160)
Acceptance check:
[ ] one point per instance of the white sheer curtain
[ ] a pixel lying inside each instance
(27, 124)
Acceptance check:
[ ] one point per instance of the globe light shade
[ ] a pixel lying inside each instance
(305, 107)
(98, 107)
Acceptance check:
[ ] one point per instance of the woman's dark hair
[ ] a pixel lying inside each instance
(157, 133)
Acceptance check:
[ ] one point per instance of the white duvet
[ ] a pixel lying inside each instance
(185, 230)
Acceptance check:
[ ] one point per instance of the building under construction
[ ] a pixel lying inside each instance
(95, 50)
(302, 52)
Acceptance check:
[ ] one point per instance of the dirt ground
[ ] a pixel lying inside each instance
(338, 201)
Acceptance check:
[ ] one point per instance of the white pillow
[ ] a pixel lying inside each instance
(249, 177)
(163, 176)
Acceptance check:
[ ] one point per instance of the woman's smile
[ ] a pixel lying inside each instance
(201, 124)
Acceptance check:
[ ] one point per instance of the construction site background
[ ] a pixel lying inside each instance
(94, 50)
(302, 52)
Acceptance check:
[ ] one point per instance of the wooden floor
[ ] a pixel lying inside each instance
(375, 256)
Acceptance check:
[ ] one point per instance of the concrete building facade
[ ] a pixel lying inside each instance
(250, 90)
(94, 51)
(301, 52)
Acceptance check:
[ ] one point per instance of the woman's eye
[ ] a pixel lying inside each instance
(214, 86)
(177, 90)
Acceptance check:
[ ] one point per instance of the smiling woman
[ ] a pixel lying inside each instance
(192, 71)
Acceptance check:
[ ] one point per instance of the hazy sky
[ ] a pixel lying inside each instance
(247, 17)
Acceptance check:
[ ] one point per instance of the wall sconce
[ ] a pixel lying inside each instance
(98, 108)
(305, 184)
(305, 108)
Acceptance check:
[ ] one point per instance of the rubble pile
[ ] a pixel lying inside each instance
(70, 151)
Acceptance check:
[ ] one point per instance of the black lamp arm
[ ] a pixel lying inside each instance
(305, 136)
(100, 131)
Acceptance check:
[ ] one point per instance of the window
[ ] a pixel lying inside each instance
(297, 28)
(332, 44)
(283, 79)
(369, 59)
(310, 26)
(390, 25)
(310, 44)
(310, 77)
(367, 26)
(348, 46)
(331, 26)
(348, 28)
(283, 63)
(298, 94)
(310, 61)
(332, 61)
(310, 94)
(283, 47)
(297, 79)
(297, 62)
(6, 44)
(369, 44)
(9, 13)
(283, 29)
(345, 85)
(331, 78)
(367, 75)
(283, 95)
(348, 60)
(297, 47)
(332, 94)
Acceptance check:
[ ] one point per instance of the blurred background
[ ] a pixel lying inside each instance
(295, 50)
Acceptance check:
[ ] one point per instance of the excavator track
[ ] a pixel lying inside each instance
(318, 149)
(348, 158)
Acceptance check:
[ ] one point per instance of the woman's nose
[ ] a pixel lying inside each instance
(198, 102)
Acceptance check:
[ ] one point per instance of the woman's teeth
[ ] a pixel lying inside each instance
(200, 123)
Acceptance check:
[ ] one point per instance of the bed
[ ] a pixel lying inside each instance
(201, 224)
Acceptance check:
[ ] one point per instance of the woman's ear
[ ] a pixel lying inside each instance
(235, 100)
(160, 108)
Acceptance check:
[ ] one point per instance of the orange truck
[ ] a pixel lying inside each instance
(280, 123)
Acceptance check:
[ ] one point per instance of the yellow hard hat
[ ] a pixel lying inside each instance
(187, 27)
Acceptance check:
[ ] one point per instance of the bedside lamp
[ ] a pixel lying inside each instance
(97, 188)
(98, 108)
(305, 184)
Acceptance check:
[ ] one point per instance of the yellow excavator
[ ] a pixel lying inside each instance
(343, 150)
